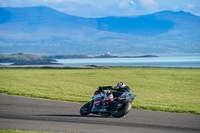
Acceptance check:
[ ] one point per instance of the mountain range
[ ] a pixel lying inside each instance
(43, 30)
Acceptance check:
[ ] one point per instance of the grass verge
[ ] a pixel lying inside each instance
(159, 89)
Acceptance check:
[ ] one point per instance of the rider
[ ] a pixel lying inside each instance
(120, 85)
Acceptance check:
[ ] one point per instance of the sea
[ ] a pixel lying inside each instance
(161, 61)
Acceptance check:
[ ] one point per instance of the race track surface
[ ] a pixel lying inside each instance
(47, 115)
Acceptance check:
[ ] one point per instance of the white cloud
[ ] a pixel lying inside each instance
(131, 2)
(57, 1)
(125, 3)
(149, 3)
(81, 2)
(197, 14)
(190, 5)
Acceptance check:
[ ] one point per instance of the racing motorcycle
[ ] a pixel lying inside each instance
(116, 103)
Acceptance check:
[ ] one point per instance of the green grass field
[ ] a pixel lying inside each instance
(160, 89)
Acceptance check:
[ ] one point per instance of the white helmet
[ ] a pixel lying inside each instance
(121, 84)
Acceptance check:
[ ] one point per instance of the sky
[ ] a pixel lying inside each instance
(103, 8)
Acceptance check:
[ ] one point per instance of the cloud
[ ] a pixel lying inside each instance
(66, 1)
(40, 2)
(149, 3)
(54, 1)
(190, 5)
(197, 14)
(125, 3)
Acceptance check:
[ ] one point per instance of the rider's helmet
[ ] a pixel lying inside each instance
(122, 84)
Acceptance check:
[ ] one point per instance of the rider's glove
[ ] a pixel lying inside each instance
(100, 88)
(117, 87)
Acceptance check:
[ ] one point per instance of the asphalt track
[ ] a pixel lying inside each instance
(47, 115)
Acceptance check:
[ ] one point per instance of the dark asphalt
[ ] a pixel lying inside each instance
(47, 115)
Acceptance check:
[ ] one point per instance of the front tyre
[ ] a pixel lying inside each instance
(86, 108)
(121, 109)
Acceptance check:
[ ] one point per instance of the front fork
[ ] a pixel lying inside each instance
(91, 103)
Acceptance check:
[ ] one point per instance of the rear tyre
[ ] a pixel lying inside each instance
(121, 109)
(86, 109)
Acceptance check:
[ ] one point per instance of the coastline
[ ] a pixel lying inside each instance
(123, 61)
(85, 67)
(31, 59)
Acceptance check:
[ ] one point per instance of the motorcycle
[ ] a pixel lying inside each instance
(116, 103)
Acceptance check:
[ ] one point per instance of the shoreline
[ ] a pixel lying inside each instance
(84, 67)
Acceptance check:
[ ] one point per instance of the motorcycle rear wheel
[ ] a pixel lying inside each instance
(86, 109)
(122, 110)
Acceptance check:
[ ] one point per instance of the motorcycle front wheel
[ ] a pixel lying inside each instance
(86, 109)
(121, 109)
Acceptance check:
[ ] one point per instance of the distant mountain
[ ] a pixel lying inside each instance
(153, 24)
(42, 22)
(148, 25)
(45, 30)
